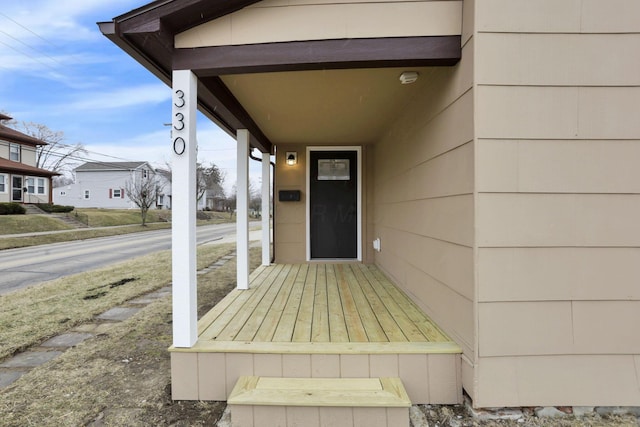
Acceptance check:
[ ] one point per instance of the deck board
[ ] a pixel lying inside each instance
(348, 303)
(270, 323)
(320, 323)
(355, 328)
(337, 325)
(302, 329)
(284, 331)
(368, 318)
(391, 328)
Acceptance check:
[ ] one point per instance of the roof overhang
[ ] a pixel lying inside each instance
(147, 34)
(12, 135)
(15, 167)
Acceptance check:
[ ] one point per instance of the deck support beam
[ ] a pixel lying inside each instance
(183, 225)
(266, 209)
(242, 209)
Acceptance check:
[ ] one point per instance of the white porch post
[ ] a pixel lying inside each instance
(183, 224)
(242, 205)
(266, 210)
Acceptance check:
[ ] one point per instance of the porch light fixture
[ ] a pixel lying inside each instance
(292, 158)
(408, 77)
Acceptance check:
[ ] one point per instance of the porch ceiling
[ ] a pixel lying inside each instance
(325, 106)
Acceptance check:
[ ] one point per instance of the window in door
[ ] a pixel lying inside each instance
(3, 183)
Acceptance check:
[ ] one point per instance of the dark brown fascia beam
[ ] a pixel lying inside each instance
(221, 102)
(320, 55)
(108, 29)
(155, 57)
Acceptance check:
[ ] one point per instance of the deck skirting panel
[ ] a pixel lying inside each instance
(428, 378)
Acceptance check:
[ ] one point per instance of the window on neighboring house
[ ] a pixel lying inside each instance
(86, 194)
(14, 152)
(160, 199)
(3, 183)
(116, 193)
(144, 173)
(31, 188)
(41, 186)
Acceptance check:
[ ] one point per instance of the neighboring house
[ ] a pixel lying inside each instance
(164, 182)
(215, 198)
(482, 154)
(164, 198)
(102, 185)
(20, 180)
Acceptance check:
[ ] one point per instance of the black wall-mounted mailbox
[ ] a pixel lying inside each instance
(289, 195)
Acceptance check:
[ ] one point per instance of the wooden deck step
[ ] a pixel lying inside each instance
(349, 402)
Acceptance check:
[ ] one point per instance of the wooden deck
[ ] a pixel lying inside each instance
(338, 309)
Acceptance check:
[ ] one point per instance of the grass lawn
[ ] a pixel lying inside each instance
(16, 224)
(60, 304)
(118, 221)
(78, 234)
(114, 217)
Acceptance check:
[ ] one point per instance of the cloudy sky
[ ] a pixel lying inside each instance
(57, 69)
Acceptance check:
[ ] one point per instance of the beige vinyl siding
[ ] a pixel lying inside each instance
(560, 380)
(290, 217)
(558, 236)
(560, 17)
(28, 155)
(290, 223)
(423, 200)
(268, 22)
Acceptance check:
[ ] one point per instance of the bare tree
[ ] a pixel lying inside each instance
(255, 197)
(56, 156)
(143, 190)
(208, 178)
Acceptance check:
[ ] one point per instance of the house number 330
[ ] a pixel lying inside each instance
(179, 145)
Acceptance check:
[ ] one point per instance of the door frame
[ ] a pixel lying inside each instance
(358, 150)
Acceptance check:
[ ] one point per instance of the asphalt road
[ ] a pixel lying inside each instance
(23, 267)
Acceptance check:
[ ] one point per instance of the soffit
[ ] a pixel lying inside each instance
(352, 106)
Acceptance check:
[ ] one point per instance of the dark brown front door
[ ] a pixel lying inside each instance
(333, 207)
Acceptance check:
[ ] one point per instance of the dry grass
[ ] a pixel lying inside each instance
(22, 242)
(58, 305)
(119, 378)
(115, 217)
(16, 224)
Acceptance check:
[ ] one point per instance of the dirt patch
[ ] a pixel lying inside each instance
(460, 416)
(121, 377)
